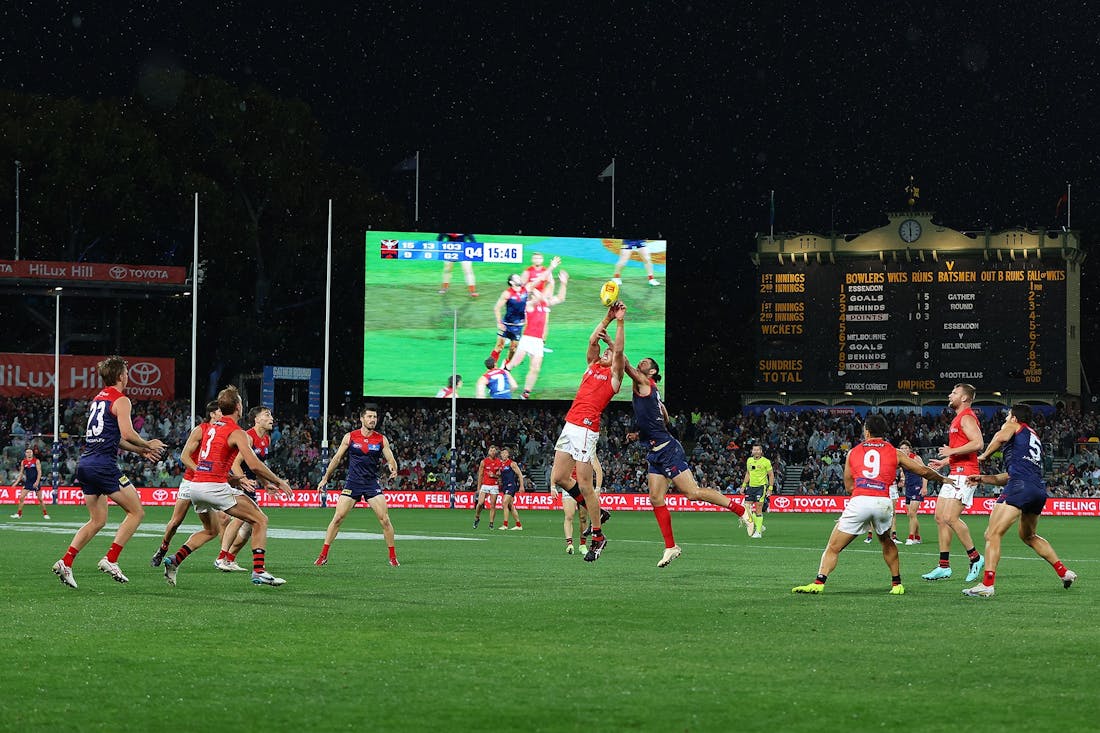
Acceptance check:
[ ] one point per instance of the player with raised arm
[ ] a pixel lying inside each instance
(183, 496)
(212, 488)
(496, 382)
(757, 485)
(237, 532)
(916, 489)
(869, 470)
(511, 481)
(511, 315)
(666, 460)
(964, 441)
(1023, 498)
(366, 449)
(30, 475)
(109, 428)
(577, 443)
(488, 485)
(467, 266)
(630, 246)
(533, 340)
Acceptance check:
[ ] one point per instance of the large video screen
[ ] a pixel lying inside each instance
(866, 327)
(417, 283)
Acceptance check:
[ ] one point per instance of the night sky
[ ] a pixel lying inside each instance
(706, 107)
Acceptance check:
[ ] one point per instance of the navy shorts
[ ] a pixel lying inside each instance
(669, 461)
(912, 495)
(509, 490)
(100, 478)
(634, 243)
(1027, 497)
(360, 493)
(512, 331)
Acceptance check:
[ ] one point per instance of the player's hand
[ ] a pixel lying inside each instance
(975, 479)
(936, 463)
(563, 276)
(617, 310)
(945, 452)
(632, 436)
(601, 335)
(554, 262)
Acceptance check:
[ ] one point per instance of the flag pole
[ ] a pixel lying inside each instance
(771, 219)
(323, 497)
(613, 171)
(416, 215)
(194, 314)
(1068, 204)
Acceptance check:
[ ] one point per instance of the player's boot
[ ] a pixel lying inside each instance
(393, 562)
(671, 553)
(595, 549)
(810, 588)
(1067, 579)
(976, 569)
(170, 570)
(477, 522)
(867, 540)
(266, 578)
(112, 569)
(158, 557)
(321, 560)
(938, 573)
(568, 548)
(222, 564)
(981, 590)
(45, 516)
(231, 566)
(897, 590)
(64, 573)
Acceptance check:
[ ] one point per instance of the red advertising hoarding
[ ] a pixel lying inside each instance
(23, 375)
(1057, 507)
(92, 272)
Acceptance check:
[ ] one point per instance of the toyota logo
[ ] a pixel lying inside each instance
(989, 504)
(145, 374)
(118, 272)
(781, 502)
(160, 495)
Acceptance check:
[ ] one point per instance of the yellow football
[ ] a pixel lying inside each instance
(609, 293)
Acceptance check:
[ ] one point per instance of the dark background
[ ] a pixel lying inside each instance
(119, 115)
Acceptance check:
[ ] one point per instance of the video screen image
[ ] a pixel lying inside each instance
(546, 288)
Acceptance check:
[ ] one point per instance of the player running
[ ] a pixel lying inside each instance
(211, 490)
(511, 314)
(533, 340)
(667, 462)
(869, 470)
(237, 532)
(957, 494)
(109, 428)
(366, 449)
(183, 496)
(757, 485)
(1023, 498)
(30, 475)
(577, 443)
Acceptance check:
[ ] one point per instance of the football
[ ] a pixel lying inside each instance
(609, 293)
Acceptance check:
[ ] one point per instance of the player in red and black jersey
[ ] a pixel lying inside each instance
(367, 450)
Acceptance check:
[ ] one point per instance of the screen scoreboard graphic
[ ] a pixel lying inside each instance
(418, 284)
(866, 327)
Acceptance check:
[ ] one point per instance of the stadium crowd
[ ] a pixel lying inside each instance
(718, 445)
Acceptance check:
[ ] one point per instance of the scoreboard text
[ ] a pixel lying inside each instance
(907, 327)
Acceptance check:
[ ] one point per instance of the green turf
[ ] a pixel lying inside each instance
(507, 632)
(409, 326)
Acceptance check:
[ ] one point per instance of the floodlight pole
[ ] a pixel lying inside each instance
(18, 168)
(323, 495)
(56, 448)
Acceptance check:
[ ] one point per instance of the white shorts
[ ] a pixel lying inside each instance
(578, 442)
(957, 487)
(893, 491)
(184, 494)
(863, 511)
(207, 496)
(532, 345)
(491, 490)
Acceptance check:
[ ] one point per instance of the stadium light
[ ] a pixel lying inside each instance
(915, 394)
(58, 289)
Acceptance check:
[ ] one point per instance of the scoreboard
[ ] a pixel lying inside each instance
(466, 250)
(867, 326)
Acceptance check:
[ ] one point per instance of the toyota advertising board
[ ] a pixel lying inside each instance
(23, 375)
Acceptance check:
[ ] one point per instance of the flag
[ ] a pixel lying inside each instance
(1061, 202)
(608, 172)
(408, 164)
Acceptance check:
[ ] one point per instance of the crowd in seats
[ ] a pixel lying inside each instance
(420, 433)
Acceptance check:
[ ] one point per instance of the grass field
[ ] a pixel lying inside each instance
(409, 326)
(487, 630)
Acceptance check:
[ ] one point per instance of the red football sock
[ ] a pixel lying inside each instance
(324, 551)
(70, 555)
(1060, 569)
(257, 560)
(988, 578)
(736, 508)
(222, 554)
(393, 553)
(113, 553)
(230, 557)
(664, 521)
(182, 554)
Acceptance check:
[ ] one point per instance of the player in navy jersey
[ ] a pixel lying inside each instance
(498, 382)
(1023, 497)
(366, 449)
(467, 266)
(511, 314)
(109, 428)
(511, 481)
(30, 475)
(916, 489)
(667, 462)
(630, 246)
